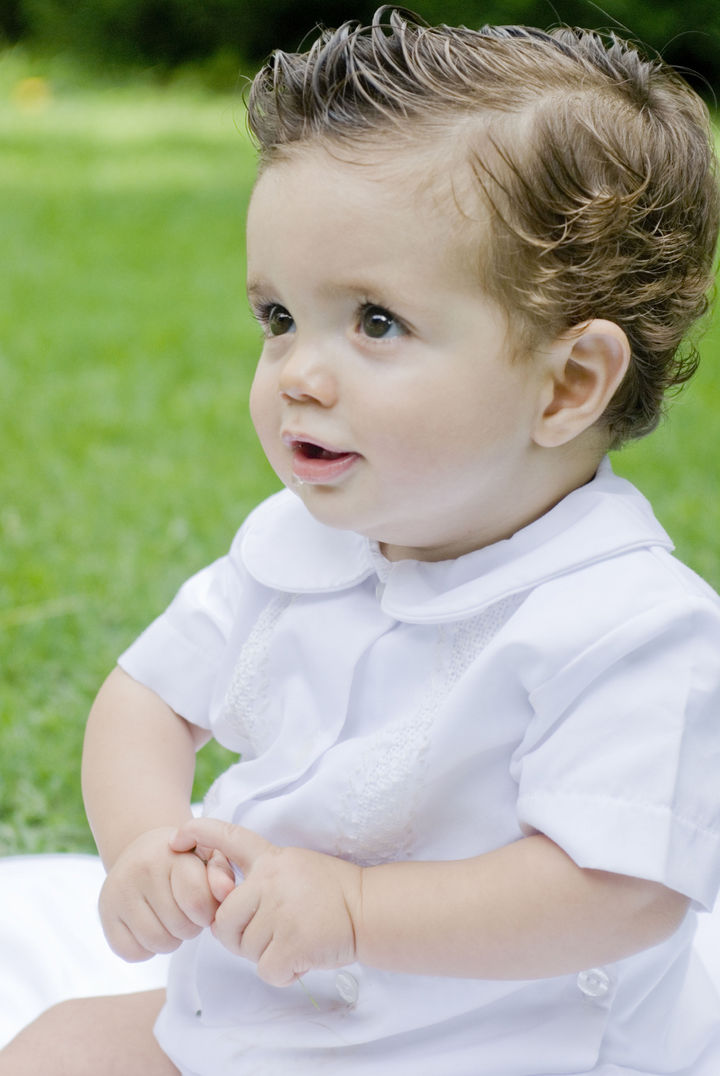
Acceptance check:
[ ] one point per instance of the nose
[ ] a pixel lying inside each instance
(307, 375)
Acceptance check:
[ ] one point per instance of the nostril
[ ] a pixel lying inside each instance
(294, 394)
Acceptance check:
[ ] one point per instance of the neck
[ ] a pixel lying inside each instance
(556, 474)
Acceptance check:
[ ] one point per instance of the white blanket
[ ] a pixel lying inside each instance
(52, 946)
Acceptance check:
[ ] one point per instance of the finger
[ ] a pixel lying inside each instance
(115, 923)
(158, 930)
(233, 919)
(190, 904)
(202, 852)
(141, 935)
(221, 876)
(276, 969)
(123, 942)
(240, 845)
(256, 938)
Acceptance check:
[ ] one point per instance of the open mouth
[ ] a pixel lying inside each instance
(316, 464)
(316, 452)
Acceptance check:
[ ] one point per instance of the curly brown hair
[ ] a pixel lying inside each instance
(597, 163)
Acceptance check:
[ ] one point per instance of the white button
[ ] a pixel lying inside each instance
(347, 987)
(594, 983)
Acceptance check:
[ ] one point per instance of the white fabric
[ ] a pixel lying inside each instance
(52, 947)
(566, 680)
(51, 944)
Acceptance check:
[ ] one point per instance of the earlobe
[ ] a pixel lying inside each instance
(585, 368)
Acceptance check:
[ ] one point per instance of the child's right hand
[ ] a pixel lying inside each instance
(153, 899)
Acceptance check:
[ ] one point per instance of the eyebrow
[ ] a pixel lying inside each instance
(257, 288)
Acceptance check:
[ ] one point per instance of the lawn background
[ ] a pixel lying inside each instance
(126, 352)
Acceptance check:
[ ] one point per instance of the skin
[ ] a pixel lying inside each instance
(387, 381)
(434, 410)
(109, 1036)
(297, 910)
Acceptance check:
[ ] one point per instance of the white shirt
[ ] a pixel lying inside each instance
(565, 681)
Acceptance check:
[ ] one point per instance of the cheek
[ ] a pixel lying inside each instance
(264, 412)
(453, 429)
(261, 401)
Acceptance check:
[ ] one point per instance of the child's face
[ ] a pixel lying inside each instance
(386, 396)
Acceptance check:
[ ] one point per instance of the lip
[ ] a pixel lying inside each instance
(316, 462)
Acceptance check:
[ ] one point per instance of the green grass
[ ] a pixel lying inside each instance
(126, 352)
(678, 466)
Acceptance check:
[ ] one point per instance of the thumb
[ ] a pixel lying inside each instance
(241, 846)
(221, 876)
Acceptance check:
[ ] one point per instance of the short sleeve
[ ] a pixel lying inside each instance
(620, 765)
(179, 654)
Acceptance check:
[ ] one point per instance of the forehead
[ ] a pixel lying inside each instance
(387, 182)
(367, 206)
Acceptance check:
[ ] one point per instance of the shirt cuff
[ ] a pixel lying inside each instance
(170, 665)
(639, 840)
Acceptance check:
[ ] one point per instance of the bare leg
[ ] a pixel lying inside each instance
(111, 1036)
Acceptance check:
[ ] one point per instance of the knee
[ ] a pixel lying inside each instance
(91, 1037)
(49, 1045)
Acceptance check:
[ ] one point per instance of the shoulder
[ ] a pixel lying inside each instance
(582, 553)
(642, 611)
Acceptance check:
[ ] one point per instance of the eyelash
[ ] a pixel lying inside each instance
(263, 312)
(367, 306)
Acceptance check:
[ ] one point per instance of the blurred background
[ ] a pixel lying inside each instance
(223, 34)
(126, 348)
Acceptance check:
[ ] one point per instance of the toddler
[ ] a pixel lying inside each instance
(475, 699)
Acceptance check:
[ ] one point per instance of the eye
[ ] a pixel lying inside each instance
(378, 323)
(276, 320)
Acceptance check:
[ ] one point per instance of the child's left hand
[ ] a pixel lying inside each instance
(294, 910)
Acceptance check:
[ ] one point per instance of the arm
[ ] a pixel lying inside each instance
(138, 766)
(523, 911)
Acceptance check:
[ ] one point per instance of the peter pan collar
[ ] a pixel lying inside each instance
(286, 549)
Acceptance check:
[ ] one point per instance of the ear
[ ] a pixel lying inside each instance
(585, 368)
